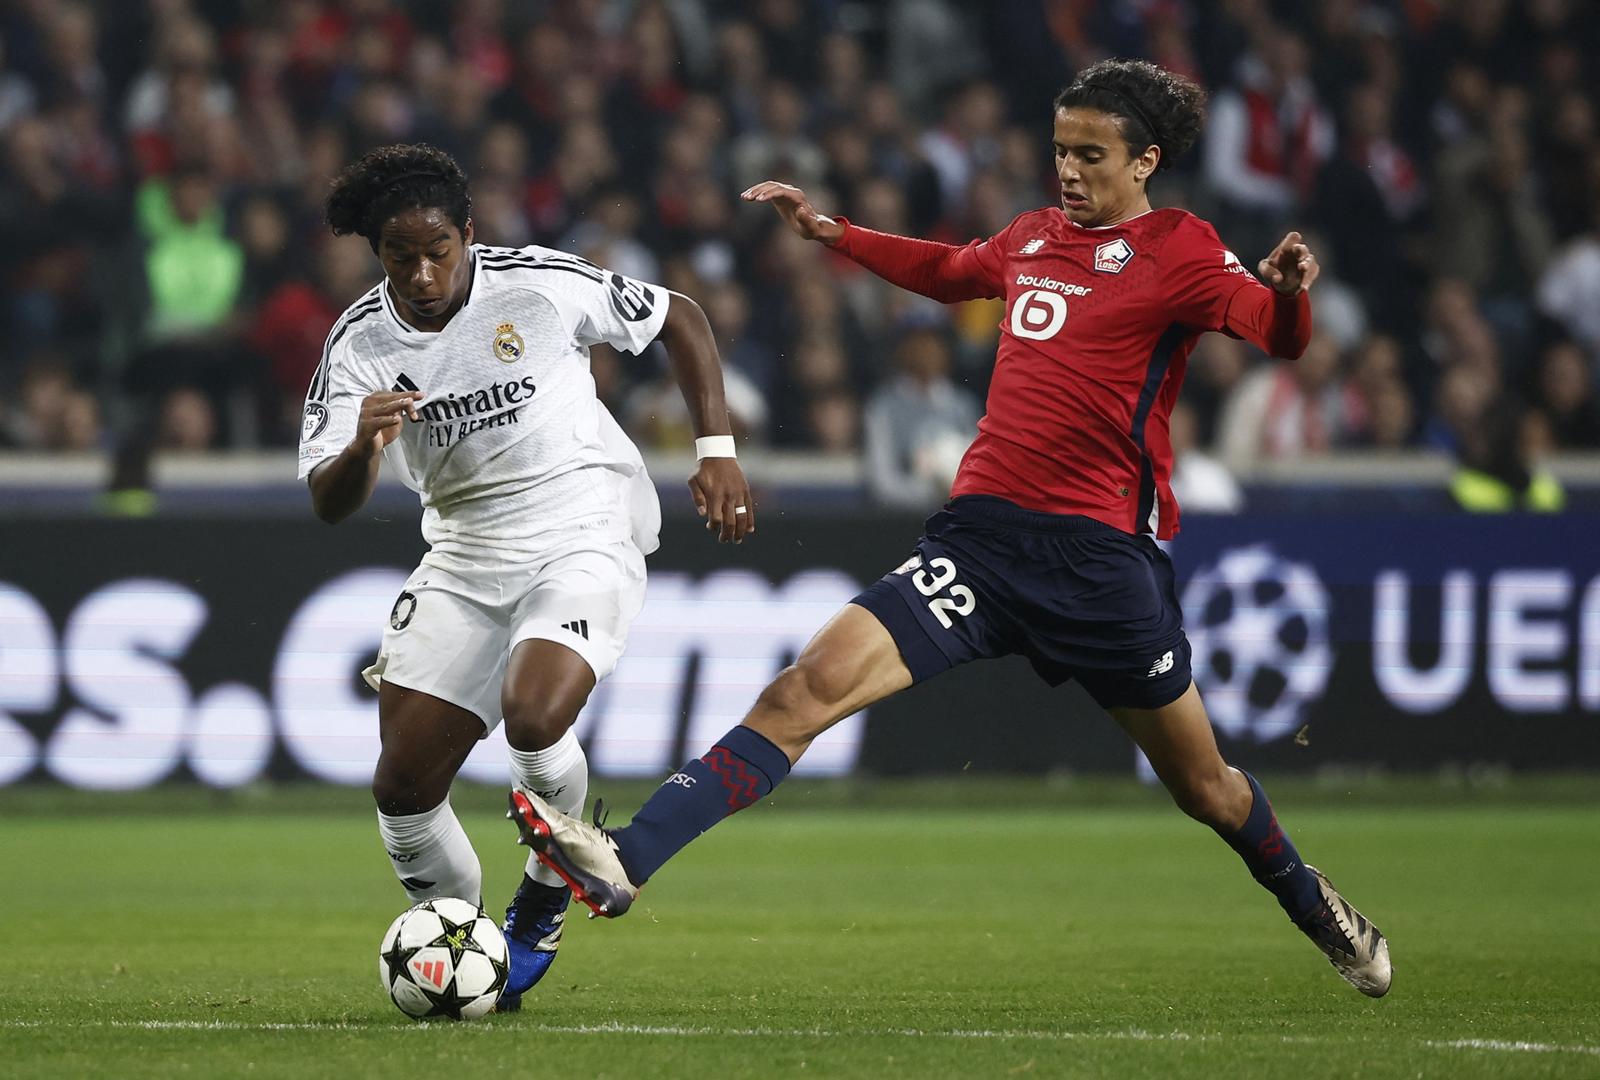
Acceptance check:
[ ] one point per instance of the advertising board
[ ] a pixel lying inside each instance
(229, 651)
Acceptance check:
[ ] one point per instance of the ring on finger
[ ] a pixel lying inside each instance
(741, 509)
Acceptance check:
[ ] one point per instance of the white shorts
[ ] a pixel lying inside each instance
(451, 631)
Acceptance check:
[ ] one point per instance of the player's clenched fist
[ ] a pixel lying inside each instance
(793, 206)
(381, 416)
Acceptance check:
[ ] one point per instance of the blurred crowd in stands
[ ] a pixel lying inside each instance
(163, 164)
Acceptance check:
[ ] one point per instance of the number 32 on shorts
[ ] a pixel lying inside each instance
(960, 600)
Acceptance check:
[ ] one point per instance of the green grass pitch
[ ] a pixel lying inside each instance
(968, 929)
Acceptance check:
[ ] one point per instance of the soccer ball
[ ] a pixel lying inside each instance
(443, 957)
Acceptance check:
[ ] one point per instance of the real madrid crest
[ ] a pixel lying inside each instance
(507, 344)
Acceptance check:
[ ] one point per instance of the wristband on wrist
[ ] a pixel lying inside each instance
(714, 446)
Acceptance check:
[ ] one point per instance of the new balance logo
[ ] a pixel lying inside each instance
(1032, 247)
(579, 627)
(1162, 666)
(431, 970)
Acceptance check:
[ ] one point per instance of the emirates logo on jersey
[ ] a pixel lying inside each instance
(493, 398)
(1112, 256)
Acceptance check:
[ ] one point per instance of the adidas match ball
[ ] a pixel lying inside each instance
(443, 957)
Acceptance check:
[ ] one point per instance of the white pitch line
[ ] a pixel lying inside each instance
(1134, 1034)
(679, 1031)
(1512, 1047)
(614, 1028)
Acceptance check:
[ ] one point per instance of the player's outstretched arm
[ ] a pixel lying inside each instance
(721, 492)
(343, 485)
(943, 272)
(1277, 320)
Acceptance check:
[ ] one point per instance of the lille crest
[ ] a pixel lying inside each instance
(507, 344)
(1112, 256)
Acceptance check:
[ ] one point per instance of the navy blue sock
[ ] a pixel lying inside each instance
(1273, 861)
(743, 766)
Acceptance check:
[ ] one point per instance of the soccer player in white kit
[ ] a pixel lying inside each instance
(467, 367)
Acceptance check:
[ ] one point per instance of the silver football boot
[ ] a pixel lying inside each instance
(1356, 949)
(583, 855)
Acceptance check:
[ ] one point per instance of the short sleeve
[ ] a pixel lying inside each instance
(1203, 275)
(333, 406)
(604, 306)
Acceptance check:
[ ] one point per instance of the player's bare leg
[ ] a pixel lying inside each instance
(424, 741)
(1178, 740)
(546, 685)
(850, 663)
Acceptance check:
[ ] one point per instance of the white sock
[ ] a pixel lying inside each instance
(559, 775)
(432, 855)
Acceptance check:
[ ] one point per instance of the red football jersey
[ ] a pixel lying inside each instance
(1098, 328)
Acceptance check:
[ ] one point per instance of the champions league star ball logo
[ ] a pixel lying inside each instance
(1258, 625)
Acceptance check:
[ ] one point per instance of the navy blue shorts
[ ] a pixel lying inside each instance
(1080, 599)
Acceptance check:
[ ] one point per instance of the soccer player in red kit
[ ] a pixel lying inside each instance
(1047, 546)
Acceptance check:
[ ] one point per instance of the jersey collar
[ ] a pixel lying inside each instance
(1103, 228)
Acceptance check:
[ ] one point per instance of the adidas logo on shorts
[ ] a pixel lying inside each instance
(579, 627)
(1161, 666)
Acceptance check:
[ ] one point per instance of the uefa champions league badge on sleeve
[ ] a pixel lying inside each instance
(508, 345)
(315, 421)
(1111, 256)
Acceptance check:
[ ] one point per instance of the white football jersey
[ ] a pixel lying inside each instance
(514, 457)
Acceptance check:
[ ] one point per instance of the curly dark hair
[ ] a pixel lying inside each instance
(390, 179)
(1156, 106)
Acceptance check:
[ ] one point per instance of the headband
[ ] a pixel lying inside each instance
(1129, 102)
